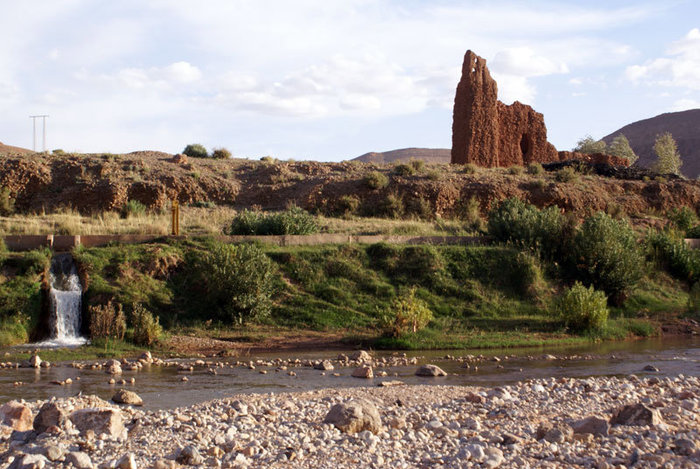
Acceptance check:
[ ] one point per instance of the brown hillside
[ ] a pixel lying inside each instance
(10, 150)
(685, 128)
(97, 183)
(429, 155)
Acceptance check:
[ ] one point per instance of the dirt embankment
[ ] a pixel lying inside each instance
(99, 182)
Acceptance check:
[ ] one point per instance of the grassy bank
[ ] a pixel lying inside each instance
(480, 296)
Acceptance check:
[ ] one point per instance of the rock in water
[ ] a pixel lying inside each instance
(127, 397)
(16, 416)
(635, 414)
(324, 365)
(363, 372)
(355, 416)
(361, 356)
(108, 421)
(430, 370)
(487, 132)
(50, 415)
(35, 361)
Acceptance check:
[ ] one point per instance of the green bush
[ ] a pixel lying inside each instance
(35, 262)
(347, 205)
(694, 232)
(231, 282)
(694, 300)
(406, 313)
(391, 206)
(673, 255)
(470, 168)
(525, 226)
(404, 169)
(582, 309)
(221, 154)
(107, 321)
(133, 208)
(535, 169)
(469, 211)
(420, 207)
(606, 255)
(376, 180)
(567, 174)
(195, 150)
(147, 329)
(516, 170)
(683, 218)
(418, 165)
(7, 202)
(293, 221)
(433, 175)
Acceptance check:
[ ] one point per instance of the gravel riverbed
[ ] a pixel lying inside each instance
(559, 422)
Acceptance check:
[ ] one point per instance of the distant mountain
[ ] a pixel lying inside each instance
(429, 155)
(685, 128)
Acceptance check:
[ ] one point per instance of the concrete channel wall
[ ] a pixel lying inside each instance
(67, 242)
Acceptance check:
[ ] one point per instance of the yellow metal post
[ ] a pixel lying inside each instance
(175, 219)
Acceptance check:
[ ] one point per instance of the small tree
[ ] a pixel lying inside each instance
(668, 159)
(620, 147)
(406, 314)
(590, 145)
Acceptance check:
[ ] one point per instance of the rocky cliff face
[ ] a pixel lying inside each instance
(487, 132)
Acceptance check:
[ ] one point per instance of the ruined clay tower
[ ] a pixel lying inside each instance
(487, 132)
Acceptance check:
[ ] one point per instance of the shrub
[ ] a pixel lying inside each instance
(673, 255)
(195, 150)
(234, 282)
(419, 207)
(434, 175)
(293, 221)
(133, 208)
(406, 313)
(418, 165)
(376, 180)
(107, 321)
(535, 169)
(203, 204)
(525, 226)
(391, 206)
(470, 213)
(147, 328)
(221, 154)
(35, 261)
(7, 202)
(567, 174)
(537, 185)
(347, 205)
(683, 218)
(606, 255)
(268, 160)
(516, 170)
(694, 232)
(582, 309)
(469, 168)
(590, 145)
(404, 170)
(526, 275)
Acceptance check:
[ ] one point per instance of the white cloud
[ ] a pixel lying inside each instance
(685, 104)
(181, 72)
(522, 61)
(679, 68)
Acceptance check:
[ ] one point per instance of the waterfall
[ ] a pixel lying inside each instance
(65, 297)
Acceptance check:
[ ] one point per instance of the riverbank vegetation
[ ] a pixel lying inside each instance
(544, 278)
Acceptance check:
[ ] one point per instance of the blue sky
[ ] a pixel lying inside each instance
(330, 80)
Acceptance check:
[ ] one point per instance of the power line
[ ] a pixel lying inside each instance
(43, 118)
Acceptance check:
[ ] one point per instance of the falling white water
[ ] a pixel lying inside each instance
(65, 301)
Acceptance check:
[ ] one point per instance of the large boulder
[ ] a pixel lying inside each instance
(355, 416)
(324, 365)
(79, 460)
(107, 421)
(127, 397)
(361, 356)
(363, 372)
(635, 414)
(50, 415)
(17, 416)
(430, 370)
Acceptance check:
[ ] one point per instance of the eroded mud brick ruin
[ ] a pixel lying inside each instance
(487, 132)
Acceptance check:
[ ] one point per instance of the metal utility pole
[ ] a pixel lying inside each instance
(43, 118)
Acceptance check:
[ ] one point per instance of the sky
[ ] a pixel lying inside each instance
(330, 80)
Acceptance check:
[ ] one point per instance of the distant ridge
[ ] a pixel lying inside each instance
(10, 150)
(685, 128)
(429, 155)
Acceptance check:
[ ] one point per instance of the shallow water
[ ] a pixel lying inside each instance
(162, 388)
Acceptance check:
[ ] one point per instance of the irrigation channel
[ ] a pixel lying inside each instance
(162, 387)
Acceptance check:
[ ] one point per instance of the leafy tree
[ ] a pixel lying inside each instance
(590, 145)
(620, 147)
(668, 159)
(195, 150)
(406, 314)
(582, 308)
